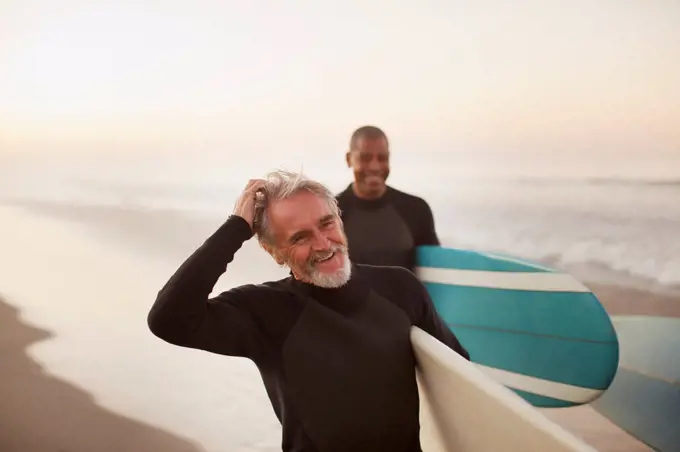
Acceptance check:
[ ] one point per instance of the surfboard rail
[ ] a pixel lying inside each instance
(543, 281)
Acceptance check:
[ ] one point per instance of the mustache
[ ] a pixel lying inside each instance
(316, 255)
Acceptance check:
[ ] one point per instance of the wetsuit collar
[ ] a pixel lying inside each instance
(347, 296)
(368, 203)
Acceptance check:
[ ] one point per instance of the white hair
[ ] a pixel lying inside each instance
(282, 184)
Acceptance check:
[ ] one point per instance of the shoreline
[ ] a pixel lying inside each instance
(626, 300)
(43, 413)
(137, 233)
(166, 232)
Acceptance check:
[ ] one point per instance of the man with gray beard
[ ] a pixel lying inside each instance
(331, 341)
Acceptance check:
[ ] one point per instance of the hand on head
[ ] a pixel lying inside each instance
(246, 203)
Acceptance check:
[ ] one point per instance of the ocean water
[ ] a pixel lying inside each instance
(622, 224)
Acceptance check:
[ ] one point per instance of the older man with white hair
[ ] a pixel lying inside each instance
(331, 341)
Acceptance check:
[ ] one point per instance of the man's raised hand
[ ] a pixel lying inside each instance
(245, 205)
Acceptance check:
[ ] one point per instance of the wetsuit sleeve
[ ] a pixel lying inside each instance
(417, 214)
(184, 314)
(428, 319)
(428, 234)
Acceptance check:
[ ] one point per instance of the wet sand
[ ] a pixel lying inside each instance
(619, 300)
(41, 413)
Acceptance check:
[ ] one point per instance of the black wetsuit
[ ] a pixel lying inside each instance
(337, 364)
(386, 231)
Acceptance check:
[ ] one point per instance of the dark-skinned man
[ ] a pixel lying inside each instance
(383, 225)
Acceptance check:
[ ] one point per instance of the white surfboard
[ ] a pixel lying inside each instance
(465, 410)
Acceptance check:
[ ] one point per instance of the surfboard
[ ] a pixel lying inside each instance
(538, 331)
(644, 398)
(463, 409)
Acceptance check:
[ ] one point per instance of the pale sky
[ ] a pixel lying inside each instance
(540, 76)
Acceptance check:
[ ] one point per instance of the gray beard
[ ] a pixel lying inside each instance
(332, 280)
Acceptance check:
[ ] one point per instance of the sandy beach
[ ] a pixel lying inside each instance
(55, 258)
(42, 413)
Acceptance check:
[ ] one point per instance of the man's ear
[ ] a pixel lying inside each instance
(348, 159)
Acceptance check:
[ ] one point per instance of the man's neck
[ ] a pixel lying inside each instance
(368, 196)
(353, 291)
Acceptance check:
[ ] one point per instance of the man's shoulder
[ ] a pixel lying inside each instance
(408, 199)
(382, 269)
(396, 284)
(344, 194)
(387, 274)
(264, 291)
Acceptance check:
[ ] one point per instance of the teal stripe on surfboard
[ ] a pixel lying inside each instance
(551, 314)
(538, 331)
(549, 359)
(542, 401)
(540, 387)
(438, 257)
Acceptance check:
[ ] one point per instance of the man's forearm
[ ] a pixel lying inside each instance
(182, 301)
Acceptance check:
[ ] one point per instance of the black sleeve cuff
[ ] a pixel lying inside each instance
(234, 231)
